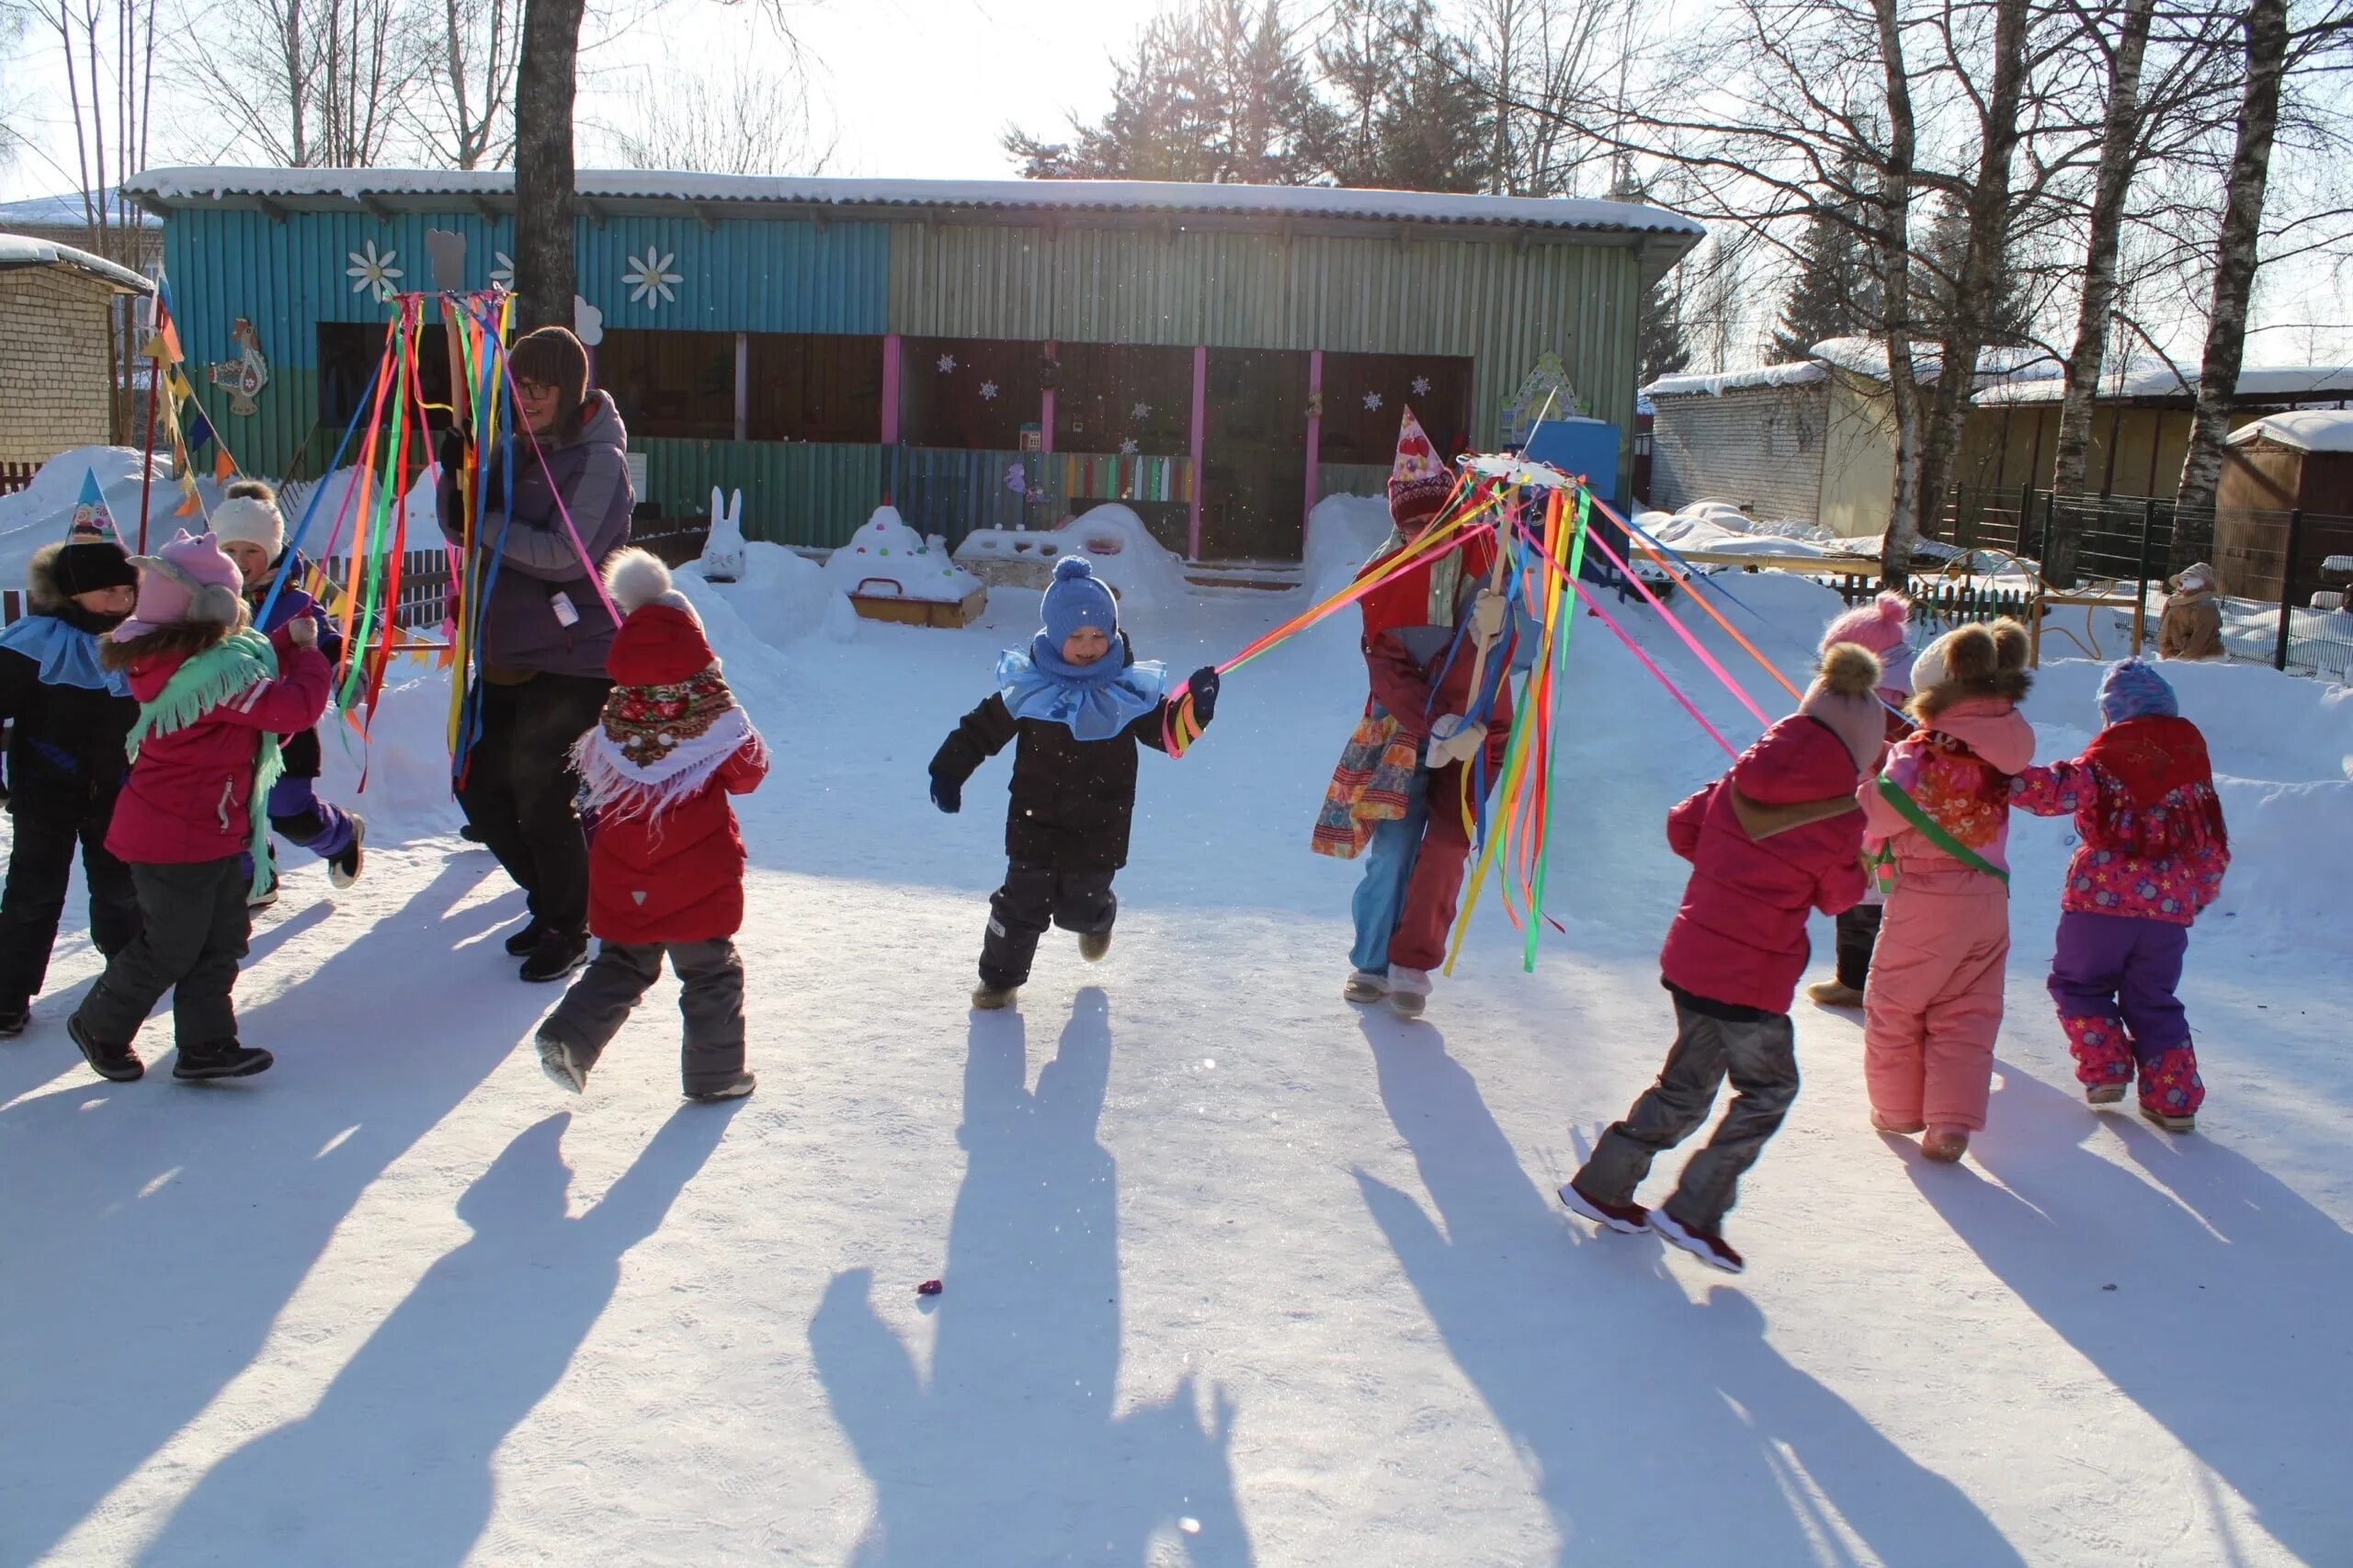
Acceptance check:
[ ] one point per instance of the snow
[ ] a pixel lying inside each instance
(1342, 533)
(1805, 372)
(888, 559)
(2000, 368)
(1114, 540)
(2307, 429)
(40, 513)
(23, 250)
(65, 210)
(778, 596)
(1232, 1272)
(2156, 378)
(188, 187)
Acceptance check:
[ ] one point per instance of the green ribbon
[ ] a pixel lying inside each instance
(1892, 793)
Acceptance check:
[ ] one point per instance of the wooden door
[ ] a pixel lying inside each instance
(1254, 455)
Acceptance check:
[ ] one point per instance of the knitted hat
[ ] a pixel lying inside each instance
(661, 640)
(248, 515)
(1078, 598)
(89, 566)
(1970, 662)
(187, 581)
(1880, 626)
(1418, 482)
(2133, 689)
(670, 722)
(1841, 698)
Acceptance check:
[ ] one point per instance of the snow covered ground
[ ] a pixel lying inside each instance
(1233, 1272)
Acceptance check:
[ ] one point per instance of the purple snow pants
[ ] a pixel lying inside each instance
(2123, 966)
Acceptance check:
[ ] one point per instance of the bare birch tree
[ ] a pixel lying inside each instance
(467, 118)
(309, 84)
(751, 119)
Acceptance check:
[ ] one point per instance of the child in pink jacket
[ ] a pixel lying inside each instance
(2153, 851)
(203, 755)
(1942, 805)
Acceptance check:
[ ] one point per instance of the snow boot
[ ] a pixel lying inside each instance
(220, 1058)
(344, 870)
(2103, 1056)
(1833, 994)
(563, 1069)
(1409, 991)
(1706, 1245)
(1626, 1219)
(1944, 1143)
(116, 1063)
(2169, 1122)
(258, 902)
(1365, 985)
(1092, 945)
(2171, 1091)
(734, 1088)
(526, 942)
(13, 1021)
(1896, 1126)
(2103, 1094)
(557, 955)
(990, 998)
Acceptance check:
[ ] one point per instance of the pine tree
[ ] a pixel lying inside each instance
(1835, 293)
(1663, 351)
(1430, 133)
(2008, 316)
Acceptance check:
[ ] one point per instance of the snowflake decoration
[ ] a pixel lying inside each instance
(947, 365)
(1371, 401)
(988, 392)
(650, 278)
(504, 272)
(1128, 448)
(1141, 411)
(369, 271)
(1421, 386)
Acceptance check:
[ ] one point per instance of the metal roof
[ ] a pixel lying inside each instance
(22, 250)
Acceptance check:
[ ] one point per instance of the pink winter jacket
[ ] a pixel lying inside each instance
(1957, 767)
(186, 800)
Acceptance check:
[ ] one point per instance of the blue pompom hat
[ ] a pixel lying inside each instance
(2133, 689)
(1078, 598)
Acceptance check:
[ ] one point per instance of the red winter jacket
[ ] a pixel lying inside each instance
(1740, 935)
(185, 799)
(678, 878)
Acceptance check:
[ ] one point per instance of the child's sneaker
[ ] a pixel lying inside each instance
(1409, 991)
(1706, 1245)
(526, 942)
(1092, 945)
(734, 1088)
(116, 1063)
(1365, 985)
(1896, 1126)
(344, 870)
(1833, 994)
(13, 1021)
(994, 999)
(1944, 1143)
(220, 1058)
(556, 956)
(258, 902)
(2103, 1094)
(563, 1069)
(1626, 1219)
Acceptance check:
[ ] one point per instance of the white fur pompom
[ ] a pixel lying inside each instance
(635, 578)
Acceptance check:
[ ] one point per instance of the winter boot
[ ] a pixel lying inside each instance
(13, 1021)
(526, 942)
(564, 1069)
(2103, 1094)
(1092, 945)
(1708, 1246)
(258, 902)
(343, 869)
(990, 998)
(1833, 994)
(1626, 1219)
(116, 1063)
(1365, 985)
(2103, 1056)
(1944, 1143)
(1409, 991)
(1896, 1126)
(220, 1058)
(2171, 1091)
(558, 954)
(734, 1088)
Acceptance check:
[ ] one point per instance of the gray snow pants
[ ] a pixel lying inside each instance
(711, 1000)
(1032, 896)
(194, 925)
(1760, 1057)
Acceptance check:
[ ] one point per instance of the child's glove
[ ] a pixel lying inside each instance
(1203, 686)
(302, 631)
(1487, 614)
(947, 794)
(1454, 740)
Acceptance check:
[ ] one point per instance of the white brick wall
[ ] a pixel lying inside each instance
(53, 371)
(1759, 448)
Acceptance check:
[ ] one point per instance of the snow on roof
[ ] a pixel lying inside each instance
(64, 210)
(1996, 368)
(1804, 372)
(245, 186)
(2307, 429)
(2154, 378)
(22, 250)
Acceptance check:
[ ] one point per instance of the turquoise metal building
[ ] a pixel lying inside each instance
(979, 352)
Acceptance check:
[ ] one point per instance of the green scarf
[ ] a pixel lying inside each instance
(208, 680)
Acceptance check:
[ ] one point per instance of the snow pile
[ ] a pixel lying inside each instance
(40, 514)
(1115, 541)
(2307, 429)
(406, 759)
(1342, 533)
(778, 595)
(888, 559)
(1719, 527)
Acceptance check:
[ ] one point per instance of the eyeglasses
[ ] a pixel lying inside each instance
(533, 390)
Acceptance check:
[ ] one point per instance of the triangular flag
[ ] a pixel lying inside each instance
(192, 506)
(223, 470)
(167, 334)
(91, 519)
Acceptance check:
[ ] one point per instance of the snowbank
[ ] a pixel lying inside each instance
(406, 758)
(1804, 372)
(1342, 533)
(888, 559)
(40, 514)
(779, 595)
(1114, 540)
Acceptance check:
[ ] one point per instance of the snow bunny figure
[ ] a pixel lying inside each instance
(2153, 853)
(1879, 626)
(665, 868)
(1770, 842)
(1078, 704)
(1942, 808)
(193, 813)
(252, 532)
(722, 548)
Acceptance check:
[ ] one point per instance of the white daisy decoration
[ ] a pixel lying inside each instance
(1141, 411)
(1128, 448)
(946, 364)
(988, 392)
(650, 278)
(369, 271)
(1371, 401)
(1421, 386)
(504, 272)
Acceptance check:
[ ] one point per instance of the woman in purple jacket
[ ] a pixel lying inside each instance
(540, 661)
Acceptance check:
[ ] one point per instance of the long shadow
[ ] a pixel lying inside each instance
(2207, 1291)
(399, 1448)
(1657, 1431)
(1010, 1452)
(153, 1232)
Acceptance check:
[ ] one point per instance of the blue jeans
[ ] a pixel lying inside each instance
(1388, 867)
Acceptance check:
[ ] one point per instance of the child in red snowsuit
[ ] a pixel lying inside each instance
(2153, 854)
(1770, 842)
(204, 754)
(666, 869)
(1942, 806)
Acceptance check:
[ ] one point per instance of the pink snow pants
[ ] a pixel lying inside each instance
(1934, 1002)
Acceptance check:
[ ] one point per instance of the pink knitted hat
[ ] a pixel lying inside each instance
(1881, 627)
(187, 581)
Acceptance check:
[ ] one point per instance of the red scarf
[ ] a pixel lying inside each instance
(2165, 802)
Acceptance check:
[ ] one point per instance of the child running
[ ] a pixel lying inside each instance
(1078, 704)
(67, 718)
(1770, 842)
(1879, 626)
(665, 866)
(203, 757)
(251, 533)
(2153, 854)
(1942, 807)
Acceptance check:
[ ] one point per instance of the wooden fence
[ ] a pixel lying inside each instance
(17, 476)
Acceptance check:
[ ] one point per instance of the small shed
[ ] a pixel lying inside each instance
(56, 358)
(2285, 473)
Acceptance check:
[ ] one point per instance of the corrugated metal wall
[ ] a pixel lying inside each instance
(793, 493)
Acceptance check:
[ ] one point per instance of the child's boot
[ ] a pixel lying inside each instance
(565, 1068)
(269, 894)
(994, 999)
(1945, 1142)
(1409, 991)
(1897, 1126)
(2103, 1062)
(2171, 1091)
(1365, 985)
(220, 1058)
(343, 869)
(116, 1063)
(1832, 992)
(14, 1020)
(1092, 945)
(734, 1088)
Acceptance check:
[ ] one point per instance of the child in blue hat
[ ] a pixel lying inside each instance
(1079, 704)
